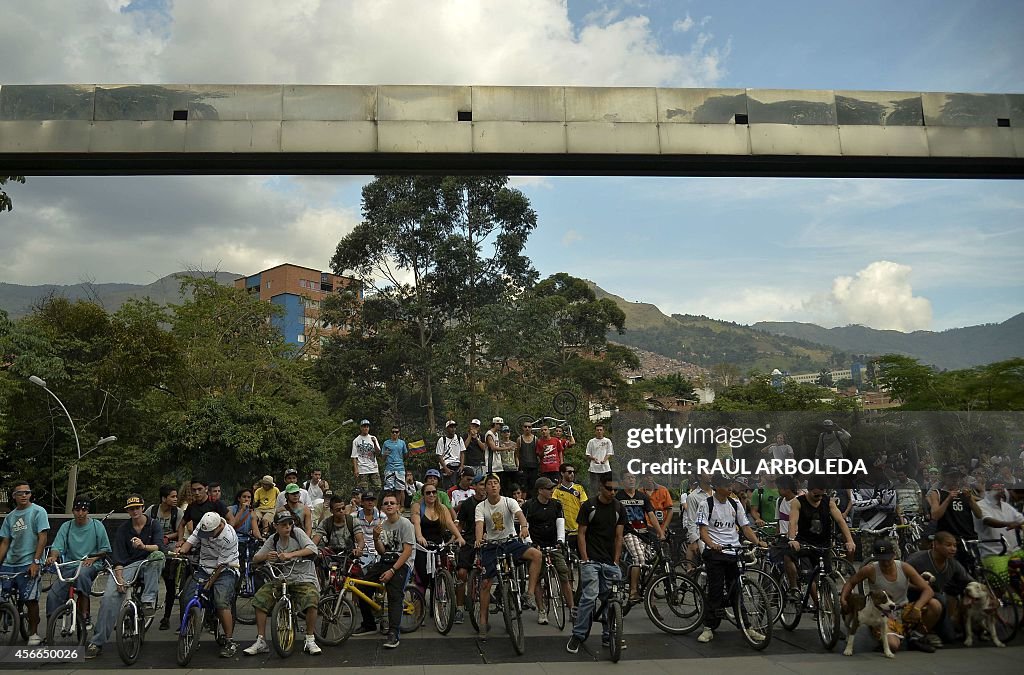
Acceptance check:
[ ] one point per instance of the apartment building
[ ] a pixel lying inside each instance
(299, 290)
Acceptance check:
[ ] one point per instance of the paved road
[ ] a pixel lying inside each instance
(460, 653)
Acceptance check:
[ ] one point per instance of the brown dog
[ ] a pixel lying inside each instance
(979, 608)
(873, 610)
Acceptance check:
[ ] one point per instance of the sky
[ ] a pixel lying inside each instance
(895, 254)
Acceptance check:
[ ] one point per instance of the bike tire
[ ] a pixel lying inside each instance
(513, 617)
(59, 632)
(615, 636)
(753, 613)
(188, 635)
(442, 601)
(244, 612)
(674, 603)
(99, 583)
(282, 629)
(414, 611)
(335, 619)
(9, 620)
(128, 630)
(828, 612)
(473, 598)
(555, 598)
(792, 606)
(1007, 615)
(564, 403)
(772, 590)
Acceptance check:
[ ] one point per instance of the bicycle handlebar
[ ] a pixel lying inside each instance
(975, 542)
(78, 570)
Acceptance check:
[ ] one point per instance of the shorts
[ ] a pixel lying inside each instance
(28, 588)
(489, 555)
(637, 549)
(369, 481)
(223, 588)
(561, 567)
(304, 595)
(394, 481)
(465, 557)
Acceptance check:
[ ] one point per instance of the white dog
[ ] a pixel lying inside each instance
(874, 611)
(979, 609)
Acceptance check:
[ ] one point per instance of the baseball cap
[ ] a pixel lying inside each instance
(357, 490)
(364, 423)
(479, 479)
(289, 472)
(995, 484)
(134, 501)
(432, 472)
(291, 489)
(544, 483)
(505, 428)
(475, 421)
(828, 423)
(721, 480)
(497, 420)
(268, 480)
(950, 470)
(468, 471)
(209, 522)
(369, 496)
(81, 504)
(883, 550)
(449, 423)
(284, 517)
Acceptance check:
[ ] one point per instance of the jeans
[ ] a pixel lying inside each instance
(595, 581)
(722, 575)
(112, 598)
(58, 593)
(395, 588)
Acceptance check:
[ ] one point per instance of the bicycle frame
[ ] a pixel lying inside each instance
(72, 600)
(135, 593)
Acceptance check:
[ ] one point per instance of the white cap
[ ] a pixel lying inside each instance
(210, 522)
(475, 421)
(497, 420)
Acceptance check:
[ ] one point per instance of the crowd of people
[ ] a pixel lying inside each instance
(477, 498)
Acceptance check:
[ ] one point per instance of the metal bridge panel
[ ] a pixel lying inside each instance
(791, 106)
(518, 104)
(964, 110)
(612, 138)
(46, 102)
(611, 104)
(137, 137)
(867, 141)
(704, 139)
(794, 139)
(328, 102)
(141, 102)
(328, 136)
(970, 142)
(424, 137)
(519, 137)
(409, 103)
(701, 106)
(879, 108)
(234, 136)
(242, 102)
(44, 136)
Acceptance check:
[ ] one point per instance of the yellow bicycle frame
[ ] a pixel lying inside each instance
(352, 585)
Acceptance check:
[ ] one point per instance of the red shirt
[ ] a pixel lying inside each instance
(551, 451)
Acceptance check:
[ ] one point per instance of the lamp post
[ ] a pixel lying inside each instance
(73, 472)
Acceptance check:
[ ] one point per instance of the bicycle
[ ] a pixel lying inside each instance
(199, 610)
(509, 591)
(413, 612)
(1010, 604)
(285, 622)
(610, 613)
(336, 614)
(441, 585)
(13, 611)
(67, 626)
(673, 601)
(823, 579)
(550, 587)
(129, 630)
(751, 611)
(248, 583)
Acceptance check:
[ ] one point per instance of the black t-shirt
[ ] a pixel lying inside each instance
(475, 451)
(195, 512)
(637, 507)
(600, 521)
(958, 519)
(528, 454)
(815, 524)
(541, 518)
(467, 518)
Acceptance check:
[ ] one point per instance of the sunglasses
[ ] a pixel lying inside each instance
(430, 492)
(22, 493)
(394, 431)
(390, 503)
(569, 471)
(609, 488)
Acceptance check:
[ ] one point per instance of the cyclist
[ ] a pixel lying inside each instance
(288, 544)
(813, 518)
(22, 541)
(494, 519)
(639, 515)
(429, 522)
(218, 547)
(292, 476)
(601, 523)
(393, 539)
(718, 519)
(83, 536)
(542, 514)
(137, 541)
(293, 506)
(998, 520)
(339, 532)
(467, 552)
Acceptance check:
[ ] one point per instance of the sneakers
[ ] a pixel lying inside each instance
(34, 640)
(165, 623)
(92, 651)
(229, 650)
(542, 618)
(756, 636)
(919, 643)
(367, 630)
(460, 616)
(573, 646)
(87, 622)
(606, 641)
(312, 648)
(258, 647)
(392, 641)
(707, 636)
(934, 640)
(529, 602)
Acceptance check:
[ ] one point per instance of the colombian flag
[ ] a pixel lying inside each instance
(417, 447)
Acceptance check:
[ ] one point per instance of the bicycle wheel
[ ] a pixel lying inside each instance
(553, 595)
(473, 598)
(335, 619)
(674, 603)
(1008, 611)
(574, 579)
(99, 583)
(245, 613)
(753, 613)
(129, 633)
(513, 617)
(442, 601)
(188, 636)
(615, 637)
(828, 612)
(844, 567)
(792, 605)
(59, 629)
(772, 591)
(564, 403)
(414, 611)
(9, 620)
(282, 628)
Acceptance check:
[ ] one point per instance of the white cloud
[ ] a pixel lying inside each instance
(571, 237)
(880, 296)
(683, 25)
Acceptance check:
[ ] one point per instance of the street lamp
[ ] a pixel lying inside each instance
(73, 472)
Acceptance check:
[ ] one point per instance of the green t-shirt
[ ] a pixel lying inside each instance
(22, 527)
(442, 497)
(765, 500)
(76, 542)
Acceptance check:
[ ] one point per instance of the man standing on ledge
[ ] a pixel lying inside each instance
(365, 449)
(833, 442)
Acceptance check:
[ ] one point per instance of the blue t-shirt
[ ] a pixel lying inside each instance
(396, 452)
(22, 527)
(74, 542)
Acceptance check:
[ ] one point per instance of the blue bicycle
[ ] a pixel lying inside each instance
(13, 612)
(197, 612)
(249, 581)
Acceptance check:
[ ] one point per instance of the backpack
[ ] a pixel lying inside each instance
(330, 527)
(735, 507)
(153, 510)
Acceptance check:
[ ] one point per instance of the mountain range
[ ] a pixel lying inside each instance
(696, 341)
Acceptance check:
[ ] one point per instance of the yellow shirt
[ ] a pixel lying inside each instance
(572, 499)
(265, 499)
